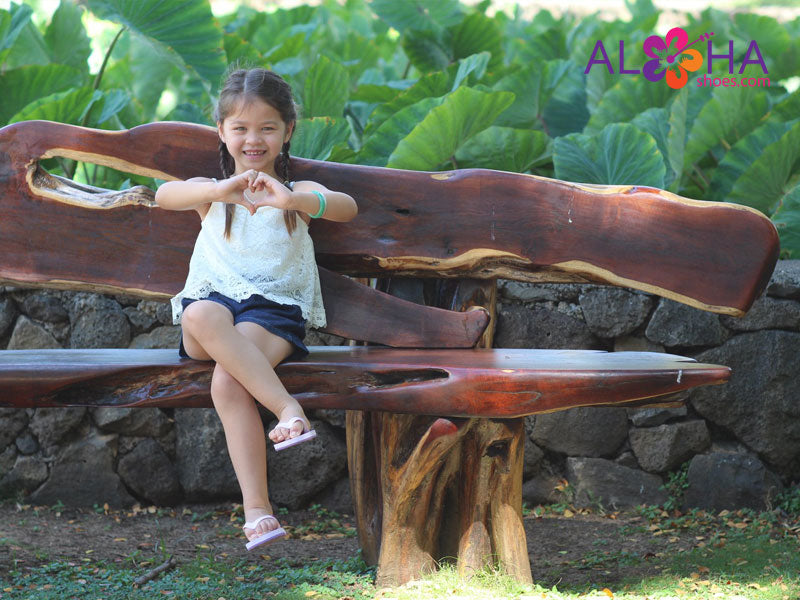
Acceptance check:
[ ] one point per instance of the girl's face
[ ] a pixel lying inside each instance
(254, 135)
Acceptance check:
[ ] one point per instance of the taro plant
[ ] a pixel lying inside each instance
(437, 84)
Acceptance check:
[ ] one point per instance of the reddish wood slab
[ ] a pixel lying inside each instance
(457, 383)
(470, 223)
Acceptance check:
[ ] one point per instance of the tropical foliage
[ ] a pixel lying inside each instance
(436, 84)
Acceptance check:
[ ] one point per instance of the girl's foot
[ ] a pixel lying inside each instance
(291, 430)
(261, 528)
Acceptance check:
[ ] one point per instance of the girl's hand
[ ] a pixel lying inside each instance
(264, 190)
(233, 189)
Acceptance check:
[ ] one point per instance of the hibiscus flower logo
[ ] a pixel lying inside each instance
(671, 58)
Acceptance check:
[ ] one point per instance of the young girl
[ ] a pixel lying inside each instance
(253, 282)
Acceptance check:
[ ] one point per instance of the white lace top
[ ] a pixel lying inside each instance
(259, 258)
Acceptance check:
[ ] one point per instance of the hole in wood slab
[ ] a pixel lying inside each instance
(80, 193)
(498, 449)
(387, 379)
(403, 211)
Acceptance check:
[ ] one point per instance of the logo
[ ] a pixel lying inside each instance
(672, 59)
(675, 71)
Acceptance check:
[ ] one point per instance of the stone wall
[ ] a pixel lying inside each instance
(737, 445)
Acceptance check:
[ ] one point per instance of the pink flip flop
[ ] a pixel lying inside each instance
(308, 434)
(265, 538)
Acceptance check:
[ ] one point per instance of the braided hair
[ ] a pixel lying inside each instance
(271, 88)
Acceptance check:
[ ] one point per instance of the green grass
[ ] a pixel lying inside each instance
(198, 579)
(733, 556)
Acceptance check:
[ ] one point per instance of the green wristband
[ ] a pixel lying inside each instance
(322, 204)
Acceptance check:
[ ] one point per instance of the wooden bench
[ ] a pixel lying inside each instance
(435, 434)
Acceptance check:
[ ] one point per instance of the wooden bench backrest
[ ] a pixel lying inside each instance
(470, 223)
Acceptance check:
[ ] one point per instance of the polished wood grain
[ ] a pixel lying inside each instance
(500, 383)
(469, 223)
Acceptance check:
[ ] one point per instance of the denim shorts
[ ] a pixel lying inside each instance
(284, 320)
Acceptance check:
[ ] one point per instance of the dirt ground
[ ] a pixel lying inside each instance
(571, 551)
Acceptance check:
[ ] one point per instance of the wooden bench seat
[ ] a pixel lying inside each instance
(435, 438)
(495, 383)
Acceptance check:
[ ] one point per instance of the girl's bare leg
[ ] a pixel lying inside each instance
(244, 432)
(209, 332)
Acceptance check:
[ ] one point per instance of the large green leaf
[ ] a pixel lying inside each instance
(314, 138)
(65, 107)
(28, 49)
(433, 85)
(290, 47)
(240, 51)
(643, 13)
(471, 69)
(271, 29)
(565, 111)
(598, 81)
(66, 37)
(110, 105)
(788, 107)
(626, 99)
(676, 140)
(435, 140)
(184, 29)
(326, 89)
(24, 85)
(620, 154)
(383, 141)
(549, 45)
(655, 121)
(772, 39)
(765, 171)
(478, 33)
(72, 106)
(145, 75)
(725, 119)
(357, 53)
(420, 15)
(742, 155)
(374, 93)
(11, 24)
(505, 149)
(533, 87)
(427, 50)
(190, 112)
(787, 220)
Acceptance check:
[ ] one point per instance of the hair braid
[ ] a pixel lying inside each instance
(227, 166)
(289, 216)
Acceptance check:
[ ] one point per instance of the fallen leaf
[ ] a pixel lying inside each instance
(568, 513)
(608, 592)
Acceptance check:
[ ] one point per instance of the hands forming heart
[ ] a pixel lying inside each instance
(255, 189)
